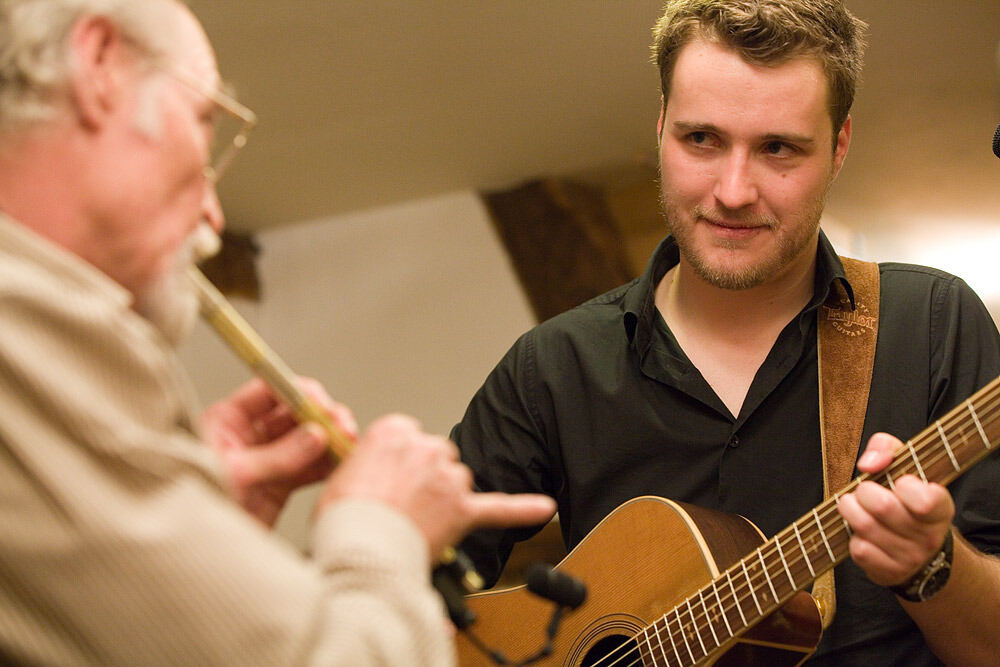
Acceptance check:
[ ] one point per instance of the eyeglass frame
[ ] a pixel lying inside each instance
(229, 104)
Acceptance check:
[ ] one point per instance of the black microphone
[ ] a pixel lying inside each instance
(996, 142)
(556, 586)
(566, 591)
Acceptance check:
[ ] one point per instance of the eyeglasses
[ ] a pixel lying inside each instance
(231, 126)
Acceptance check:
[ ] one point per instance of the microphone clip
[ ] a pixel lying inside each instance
(566, 591)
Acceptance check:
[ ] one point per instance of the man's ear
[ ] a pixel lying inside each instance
(99, 62)
(843, 143)
(659, 123)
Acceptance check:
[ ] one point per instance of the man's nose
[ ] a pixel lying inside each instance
(735, 186)
(211, 208)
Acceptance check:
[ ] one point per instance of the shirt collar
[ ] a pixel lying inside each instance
(59, 262)
(639, 303)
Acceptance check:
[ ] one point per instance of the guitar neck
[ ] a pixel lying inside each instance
(761, 582)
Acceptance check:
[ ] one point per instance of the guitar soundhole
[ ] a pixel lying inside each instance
(613, 650)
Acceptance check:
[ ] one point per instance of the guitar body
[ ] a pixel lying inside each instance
(641, 561)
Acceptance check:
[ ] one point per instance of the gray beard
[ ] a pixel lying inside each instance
(171, 303)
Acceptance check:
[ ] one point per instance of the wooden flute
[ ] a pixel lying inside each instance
(251, 348)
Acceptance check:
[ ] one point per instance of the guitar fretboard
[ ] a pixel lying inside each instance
(761, 582)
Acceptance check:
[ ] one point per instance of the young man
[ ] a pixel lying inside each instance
(698, 381)
(121, 541)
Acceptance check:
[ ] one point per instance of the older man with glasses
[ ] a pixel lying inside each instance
(121, 541)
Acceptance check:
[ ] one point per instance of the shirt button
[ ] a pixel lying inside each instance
(734, 441)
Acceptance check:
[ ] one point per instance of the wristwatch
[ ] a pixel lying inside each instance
(931, 578)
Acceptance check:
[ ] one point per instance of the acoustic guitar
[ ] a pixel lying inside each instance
(671, 584)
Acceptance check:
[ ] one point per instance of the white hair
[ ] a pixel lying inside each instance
(34, 59)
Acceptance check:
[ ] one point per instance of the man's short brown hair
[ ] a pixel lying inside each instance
(770, 32)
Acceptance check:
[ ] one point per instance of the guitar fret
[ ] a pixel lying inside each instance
(805, 555)
(736, 597)
(951, 454)
(750, 584)
(979, 426)
(670, 636)
(763, 567)
(694, 626)
(649, 646)
(663, 651)
(708, 619)
(784, 562)
(684, 636)
(722, 608)
(888, 478)
(822, 533)
(916, 460)
(659, 641)
(847, 526)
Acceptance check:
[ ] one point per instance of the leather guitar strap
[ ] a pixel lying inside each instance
(846, 356)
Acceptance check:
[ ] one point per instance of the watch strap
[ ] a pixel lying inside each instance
(931, 577)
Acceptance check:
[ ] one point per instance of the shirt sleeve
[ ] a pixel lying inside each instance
(121, 547)
(502, 439)
(966, 357)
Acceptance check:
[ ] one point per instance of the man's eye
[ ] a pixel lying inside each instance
(698, 138)
(209, 118)
(777, 148)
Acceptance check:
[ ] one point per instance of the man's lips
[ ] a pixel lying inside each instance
(734, 229)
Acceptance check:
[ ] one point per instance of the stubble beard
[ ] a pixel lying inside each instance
(745, 276)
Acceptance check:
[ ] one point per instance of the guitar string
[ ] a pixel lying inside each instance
(954, 422)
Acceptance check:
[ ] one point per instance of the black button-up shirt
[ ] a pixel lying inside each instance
(600, 404)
